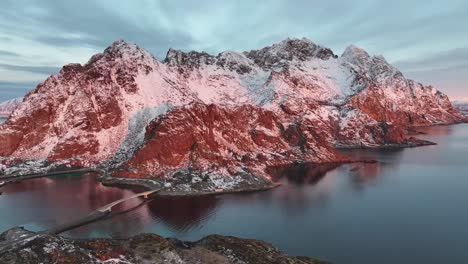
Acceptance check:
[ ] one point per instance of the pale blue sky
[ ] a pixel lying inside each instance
(427, 40)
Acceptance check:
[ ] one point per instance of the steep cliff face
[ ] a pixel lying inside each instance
(224, 114)
(226, 141)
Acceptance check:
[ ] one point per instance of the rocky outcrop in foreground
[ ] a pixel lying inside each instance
(145, 248)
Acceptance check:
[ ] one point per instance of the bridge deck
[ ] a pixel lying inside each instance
(108, 207)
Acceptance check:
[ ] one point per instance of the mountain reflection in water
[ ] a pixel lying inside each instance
(45, 202)
(304, 173)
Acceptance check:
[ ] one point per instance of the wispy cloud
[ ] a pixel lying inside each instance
(17, 85)
(5, 53)
(445, 60)
(32, 69)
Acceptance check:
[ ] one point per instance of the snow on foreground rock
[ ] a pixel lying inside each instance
(225, 115)
(144, 248)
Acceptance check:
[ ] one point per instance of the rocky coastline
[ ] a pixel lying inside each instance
(143, 248)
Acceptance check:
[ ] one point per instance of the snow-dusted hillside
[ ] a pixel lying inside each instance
(7, 107)
(298, 101)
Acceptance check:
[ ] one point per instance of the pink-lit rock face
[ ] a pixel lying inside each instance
(292, 101)
(227, 140)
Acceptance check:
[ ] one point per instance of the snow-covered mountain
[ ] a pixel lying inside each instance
(7, 107)
(225, 114)
(461, 106)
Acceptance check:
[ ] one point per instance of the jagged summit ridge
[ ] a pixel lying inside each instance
(274, 56)
(300, 49)
(288, 50)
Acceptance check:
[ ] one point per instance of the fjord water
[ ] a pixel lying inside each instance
(411, 207)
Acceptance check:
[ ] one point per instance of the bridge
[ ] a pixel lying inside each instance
(97, 214)
(108, 208)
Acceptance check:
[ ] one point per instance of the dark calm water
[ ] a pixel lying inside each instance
(411, 207)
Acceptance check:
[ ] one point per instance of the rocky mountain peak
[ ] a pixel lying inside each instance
(353, 51)
(277, 55)
(124, 58)
(192, 59)
(359, 56)
(173, 57)
(122, 47)
(375, 67)
(356, 55)
(123, 51)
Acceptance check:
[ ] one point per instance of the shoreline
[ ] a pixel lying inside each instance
(412, 143)
(128, 183)
(256, 184)
(145, 184)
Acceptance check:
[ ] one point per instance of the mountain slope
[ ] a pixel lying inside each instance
(227, 114)
(83, 112)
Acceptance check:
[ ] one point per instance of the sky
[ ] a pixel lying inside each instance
(427, 40)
